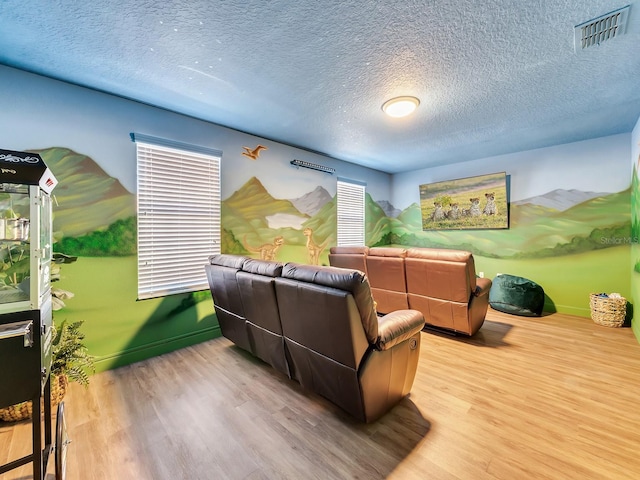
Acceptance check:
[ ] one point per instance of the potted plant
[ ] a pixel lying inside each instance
(70, 361)
(70, 356)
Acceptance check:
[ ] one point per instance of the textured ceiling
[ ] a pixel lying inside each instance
(493, 76)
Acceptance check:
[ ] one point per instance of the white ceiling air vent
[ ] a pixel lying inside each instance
(594, 32)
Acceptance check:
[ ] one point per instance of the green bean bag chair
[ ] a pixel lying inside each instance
(516, 295)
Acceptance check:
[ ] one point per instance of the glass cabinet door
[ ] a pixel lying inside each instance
(15, 248)
(25, 247)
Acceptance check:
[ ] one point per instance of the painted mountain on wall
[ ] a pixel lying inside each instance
(389, 209)
(579, 223)
(308, 205)
(560, 199)
(635, 220)
(86, 198)
(247, 213)
(312, 202)
(255, 217)
(556, 223)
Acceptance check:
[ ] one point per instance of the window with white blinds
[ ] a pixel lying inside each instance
(178, 217)
(350, 212)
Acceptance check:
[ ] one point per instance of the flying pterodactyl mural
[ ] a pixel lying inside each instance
(255, 153)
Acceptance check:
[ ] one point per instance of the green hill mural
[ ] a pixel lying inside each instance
(378, 224)
(535, 230)
(86, 198)
(249, 214)
(259, 222)
(635, 246)
(245, 214)
(253, 202)
(324, 223)
(635, 211)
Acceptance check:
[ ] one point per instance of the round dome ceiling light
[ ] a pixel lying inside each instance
(400, 106)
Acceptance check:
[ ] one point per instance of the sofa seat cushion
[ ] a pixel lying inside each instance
(516, 295)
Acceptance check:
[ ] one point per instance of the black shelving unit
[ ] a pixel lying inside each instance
(25, 362)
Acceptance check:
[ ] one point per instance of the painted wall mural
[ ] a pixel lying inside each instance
(95, 222)
(301, 230)
(559, 238)
(566, 238)
(89, 202)
(94, 219)
(84, 137)
(570, 222)
(557, 223)
(635, 228)
(563, 239)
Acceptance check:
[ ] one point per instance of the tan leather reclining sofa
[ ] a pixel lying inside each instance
(440, 283)
(318, 325)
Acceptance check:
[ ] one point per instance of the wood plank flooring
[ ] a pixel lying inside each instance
(555, 397)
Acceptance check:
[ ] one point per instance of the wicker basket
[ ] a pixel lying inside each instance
(608, 311)
(24, 410)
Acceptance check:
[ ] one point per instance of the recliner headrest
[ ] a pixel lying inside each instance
(340, 278)
(442, 254)
(262, 267)
(349, 250)
(387, 252)
(227, 260)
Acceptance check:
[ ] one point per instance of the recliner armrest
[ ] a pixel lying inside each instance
(483, 285)
(398, 326)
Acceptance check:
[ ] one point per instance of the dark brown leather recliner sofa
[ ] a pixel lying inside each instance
(318, 325)
(440, 283)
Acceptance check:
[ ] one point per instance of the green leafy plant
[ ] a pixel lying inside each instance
(70, 356)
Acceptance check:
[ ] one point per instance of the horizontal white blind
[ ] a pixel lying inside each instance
(350, 213)
(178, 219)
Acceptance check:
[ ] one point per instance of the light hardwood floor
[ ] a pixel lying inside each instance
(555, 397)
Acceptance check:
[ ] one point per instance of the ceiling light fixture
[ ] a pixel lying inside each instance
(400, 106)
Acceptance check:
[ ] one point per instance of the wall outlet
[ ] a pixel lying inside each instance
(481, 274)
(498, 274)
